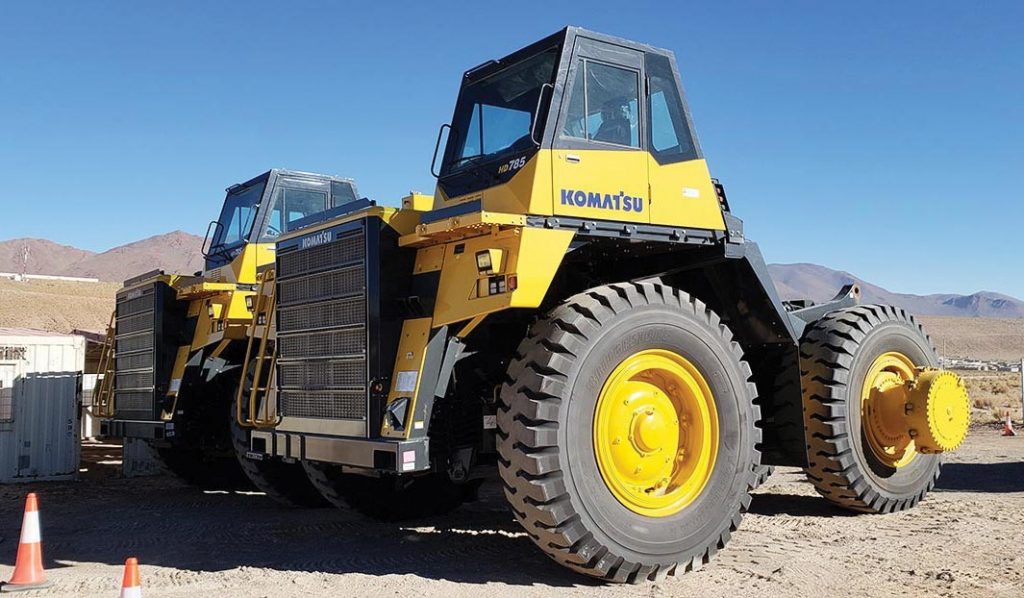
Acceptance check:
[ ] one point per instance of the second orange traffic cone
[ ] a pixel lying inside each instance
(28, 566)
(130, 586)
(1008, 427)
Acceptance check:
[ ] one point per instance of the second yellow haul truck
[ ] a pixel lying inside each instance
(178, 342)
(577, 307)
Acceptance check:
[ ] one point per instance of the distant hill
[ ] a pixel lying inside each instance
(39, 256)
(177, 252)
(795, 281)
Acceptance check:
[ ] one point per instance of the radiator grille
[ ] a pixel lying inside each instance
(349, 373)
(135, 380)
(337, 343)
(136, 305)
(325, 285)
(133, 344)
(333, 314)
(131, 405)
(321, 330)
(136, 323)
(135, 361)
(341, 404)
(347, 250)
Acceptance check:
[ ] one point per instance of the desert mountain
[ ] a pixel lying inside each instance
(39, 256)
(795, 281)
(177, 252)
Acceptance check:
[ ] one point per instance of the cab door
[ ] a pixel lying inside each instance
(599, 155)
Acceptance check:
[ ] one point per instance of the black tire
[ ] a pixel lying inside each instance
(835, 354)
(761, 474)
(389, 497)
(546, 415)
(203, 468)
(285, 483)
(201, 453)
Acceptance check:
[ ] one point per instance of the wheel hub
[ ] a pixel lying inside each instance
(938, 411)
(908, 410)
(655, 432)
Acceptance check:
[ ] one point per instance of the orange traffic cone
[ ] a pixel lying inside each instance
(1008, 427)
(130, 586)
(28, 567)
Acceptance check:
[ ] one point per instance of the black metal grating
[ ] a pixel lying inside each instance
(134, 306)
(314, 316)
(135, 343)
(134, 361)
(347, 250)
(349, 373)
(334, 404)
(134, 380)
(134, 404)
(321, 325)
(136, 323)
(336, 343)
(326, 285)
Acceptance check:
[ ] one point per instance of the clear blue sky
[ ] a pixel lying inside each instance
(883, 138)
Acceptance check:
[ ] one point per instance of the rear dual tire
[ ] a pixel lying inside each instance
(836, 354)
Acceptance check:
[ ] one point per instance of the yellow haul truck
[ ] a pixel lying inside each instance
(178, 341)
(577, 309)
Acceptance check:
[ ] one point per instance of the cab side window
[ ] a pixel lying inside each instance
(604, 105)
(670, 137)
(342, 193)
(291, 204)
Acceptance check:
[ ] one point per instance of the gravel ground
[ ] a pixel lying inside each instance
(965, 540)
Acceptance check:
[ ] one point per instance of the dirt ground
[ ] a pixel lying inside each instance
(976, 338)
(56, 305)
(965, 540)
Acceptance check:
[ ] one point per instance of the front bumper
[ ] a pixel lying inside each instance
(393, 456)
(120, 428)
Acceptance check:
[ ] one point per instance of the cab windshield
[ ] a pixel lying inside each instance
(494, 115)
(237, 216)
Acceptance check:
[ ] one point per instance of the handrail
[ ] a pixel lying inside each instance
(257, 413)
(103, 396)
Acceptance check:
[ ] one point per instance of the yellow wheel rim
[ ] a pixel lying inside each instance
(883, 408)
(656, 433)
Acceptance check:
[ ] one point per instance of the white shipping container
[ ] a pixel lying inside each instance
(40, 397)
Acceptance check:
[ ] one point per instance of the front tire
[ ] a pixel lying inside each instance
(761, 474)
(284, 483)
(389, 497)
(553, 458)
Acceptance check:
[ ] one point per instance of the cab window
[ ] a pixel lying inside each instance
(342, 193)
(670, 137)
(603, 105)
(291, 204)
